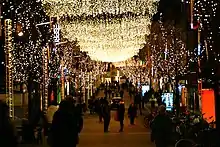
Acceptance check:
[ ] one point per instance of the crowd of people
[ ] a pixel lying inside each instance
(62, 129)
(62, 124)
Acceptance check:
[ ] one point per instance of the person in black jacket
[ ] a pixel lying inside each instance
(132, 113)
(137, 101)
(121, 93)
(106, 112)
(121, 114)
(67, 124)
(161, 128)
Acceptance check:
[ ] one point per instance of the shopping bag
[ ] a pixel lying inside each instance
(116, 116)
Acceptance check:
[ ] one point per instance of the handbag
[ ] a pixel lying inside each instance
(116, 116)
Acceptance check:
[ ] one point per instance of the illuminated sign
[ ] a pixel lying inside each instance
(56, 31)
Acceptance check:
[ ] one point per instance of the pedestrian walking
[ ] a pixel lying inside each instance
(106, 111)
(113, 94)
(161, 128)
(50, 112)
(121, 114)
(100, 109)
(132, 113)
(137, 101)
(121, 93)
(66, 125)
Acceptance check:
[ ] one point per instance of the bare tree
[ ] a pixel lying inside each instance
(168, 50)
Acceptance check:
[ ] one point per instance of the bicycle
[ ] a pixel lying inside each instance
(204, 137)
(185, 143)
(148, 120)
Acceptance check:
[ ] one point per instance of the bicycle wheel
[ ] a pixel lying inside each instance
(185, 143)
(146, 122)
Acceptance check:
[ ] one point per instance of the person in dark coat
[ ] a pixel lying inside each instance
(106, 112)
(137, 101)
(121, 93)
(7, 130)
(66, 125)
(132, 113)
(91, 107)
(161, 128)
(121, 114)
(99, 109)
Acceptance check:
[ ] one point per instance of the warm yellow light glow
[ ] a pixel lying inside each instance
(9, 66)
(45, 79)
(20, 34)
(109, 30)
(109, 42)
(95, 7)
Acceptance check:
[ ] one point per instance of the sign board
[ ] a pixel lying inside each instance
(56, 31)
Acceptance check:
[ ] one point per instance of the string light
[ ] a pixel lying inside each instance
(45, 52)
(204, 11)
(168, 51)
(9, 66)
(27, 51)
(109, 31)
(58, 8)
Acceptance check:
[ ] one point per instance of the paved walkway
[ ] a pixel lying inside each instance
(93, 134)
(133, 136)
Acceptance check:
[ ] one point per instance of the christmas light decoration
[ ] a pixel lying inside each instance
(62, 81)
(9, 66)
(109, 43)
(134, 70)
(68, 52)
(95, 7)
(28, 43)
(168, 51)
(27, 51)
(108, 30)
(45, 94)
(204, 12)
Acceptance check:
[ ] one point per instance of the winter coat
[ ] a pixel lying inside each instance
(121, 112)
(132, 111)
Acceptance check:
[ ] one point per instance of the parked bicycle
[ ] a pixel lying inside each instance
(149, 119)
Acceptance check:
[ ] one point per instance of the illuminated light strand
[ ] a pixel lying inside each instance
(107, 30)
(45, 52)
(176, 53)
(9, 66)
(109, 42)
(205, 11)
(95, 7)
(28, 48)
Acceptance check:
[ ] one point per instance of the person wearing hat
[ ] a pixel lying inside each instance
(161, 128)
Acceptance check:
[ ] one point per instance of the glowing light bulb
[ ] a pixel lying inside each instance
(20, 34)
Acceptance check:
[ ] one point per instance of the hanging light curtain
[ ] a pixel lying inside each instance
(109, 30)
